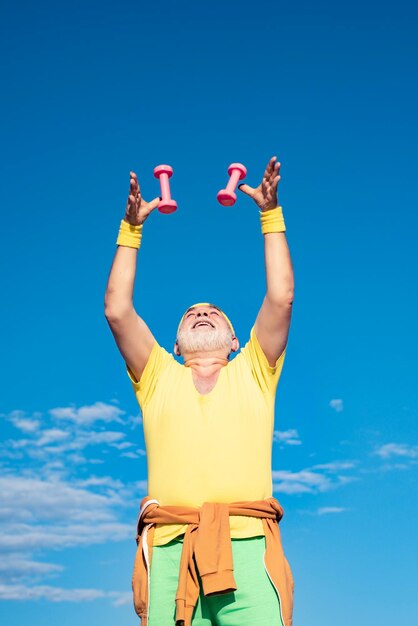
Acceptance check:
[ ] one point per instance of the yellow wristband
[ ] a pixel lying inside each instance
(272, 221)
(129, 235)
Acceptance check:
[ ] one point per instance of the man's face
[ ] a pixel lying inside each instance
(204, 328)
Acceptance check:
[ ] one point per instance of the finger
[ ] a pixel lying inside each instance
(154, 203)
(130, 204)
(135, 190)
(274, 172)
(133, 178)
(275, 183)
(270, 186)
(246, 189)
(150, 206)
(273, 166)
(266, 174)
(269, 170)
(270, 166)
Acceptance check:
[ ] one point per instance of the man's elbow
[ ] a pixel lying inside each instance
(114, 313)
(284, 298)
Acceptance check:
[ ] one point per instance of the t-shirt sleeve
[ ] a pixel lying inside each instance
(158, 360)
(266, 376)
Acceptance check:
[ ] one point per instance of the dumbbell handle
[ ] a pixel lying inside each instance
(165, 187)
(227, 196)
(163, 173)
(233, 181)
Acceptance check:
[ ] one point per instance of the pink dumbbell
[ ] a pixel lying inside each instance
(237, 172)
(164, 172)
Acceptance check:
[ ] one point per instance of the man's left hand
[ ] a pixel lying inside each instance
(265, 195)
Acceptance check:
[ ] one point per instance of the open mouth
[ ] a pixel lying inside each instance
(202, 324)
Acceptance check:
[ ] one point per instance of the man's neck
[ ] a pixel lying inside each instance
(205, 365)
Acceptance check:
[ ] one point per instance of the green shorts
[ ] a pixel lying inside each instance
(254, 603)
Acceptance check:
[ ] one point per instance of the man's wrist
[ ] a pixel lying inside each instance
(272, 220)
(130, 235)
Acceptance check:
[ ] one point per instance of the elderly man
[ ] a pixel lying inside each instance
(209, 548)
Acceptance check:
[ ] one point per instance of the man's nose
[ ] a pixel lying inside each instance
(202, 313)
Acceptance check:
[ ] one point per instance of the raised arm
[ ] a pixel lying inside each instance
(133, 337)
(273, 320)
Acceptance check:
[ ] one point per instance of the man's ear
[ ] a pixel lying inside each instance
(177, 349)
(235, 344)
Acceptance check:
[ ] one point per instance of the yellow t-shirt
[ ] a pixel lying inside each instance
(209, 448)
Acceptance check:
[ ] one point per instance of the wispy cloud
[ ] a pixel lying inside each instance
(25, 424)
(388, 467)
(336, 404)
(16, 566)
(51, 435)
(38, 514)
(336, 466)
(45, 506)
(53, 498)
(323, 510)
(134, 455)
(58, 594)
(287, 437)
(48, 442)
(86, 415)
(78, 429)
(397, 449)
(316, 479)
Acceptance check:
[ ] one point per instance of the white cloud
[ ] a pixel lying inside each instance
(288, 437)
(133, 421)
(25, 424)
(17, 566)
(397, 449)
(121, 597)
(141, 486)
(386, 467)
(52, 513)
(310, 481)
(63, 441)
(38, 514)
(134, 455)
(123, 445)
(90, 438)
(86, 415)
(43, 507)
(24, 593)
(107, 481)
(51, 435)
(304, 481)
(336, 404)
(53, 536)
(74, 435)
(331, 509)
(55, 499)
(19, 443)
(335, 466)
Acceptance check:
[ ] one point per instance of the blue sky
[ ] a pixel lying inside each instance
(93, 90)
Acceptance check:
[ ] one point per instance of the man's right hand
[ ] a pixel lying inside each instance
(137, 210)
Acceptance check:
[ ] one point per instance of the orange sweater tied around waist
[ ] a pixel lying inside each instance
(208, 540)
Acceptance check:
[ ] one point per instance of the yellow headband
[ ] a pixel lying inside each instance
(208, 304)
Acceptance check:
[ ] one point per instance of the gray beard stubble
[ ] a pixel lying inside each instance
(195, 340)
